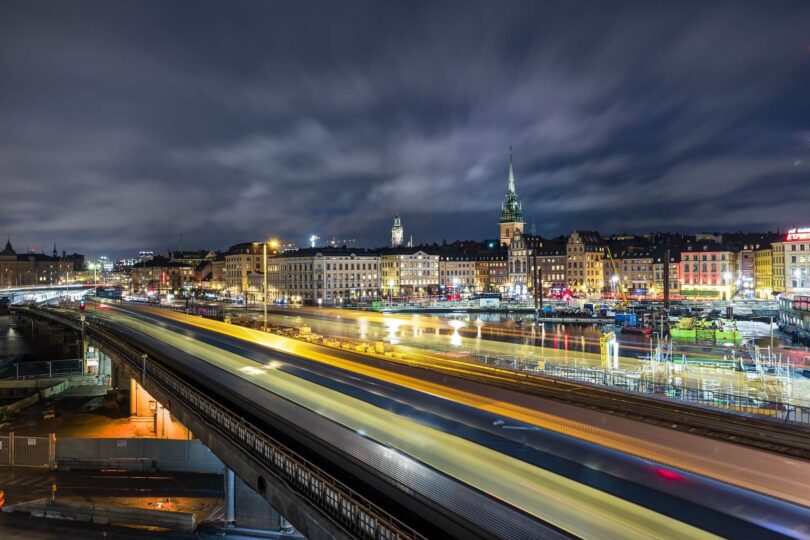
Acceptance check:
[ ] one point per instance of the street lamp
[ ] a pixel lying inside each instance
(273, 243)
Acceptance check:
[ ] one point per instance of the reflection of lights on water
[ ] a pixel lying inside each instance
(455, 337)
(393, 327)
(362, 322)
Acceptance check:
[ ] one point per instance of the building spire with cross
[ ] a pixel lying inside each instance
(511, 209)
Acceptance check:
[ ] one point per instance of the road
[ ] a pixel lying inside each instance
(519, 482)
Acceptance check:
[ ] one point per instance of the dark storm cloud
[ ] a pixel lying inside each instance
(125, 124)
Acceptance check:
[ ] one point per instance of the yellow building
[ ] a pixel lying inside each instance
(409, 272)
(763, 273)
(585, 255)
(778, 283)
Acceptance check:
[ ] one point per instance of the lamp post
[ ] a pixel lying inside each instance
(274, 244)
(264, 283)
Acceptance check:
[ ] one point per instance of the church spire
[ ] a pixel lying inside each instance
(54, 250)
(511, 209)
(511, 187)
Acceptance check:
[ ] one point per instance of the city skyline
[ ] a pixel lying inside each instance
(293, 125)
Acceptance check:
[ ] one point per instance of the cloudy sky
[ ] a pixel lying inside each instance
(126, 124)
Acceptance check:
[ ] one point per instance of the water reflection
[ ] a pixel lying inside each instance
(12, 342)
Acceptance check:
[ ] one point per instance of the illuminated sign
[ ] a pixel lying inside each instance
(796, 235)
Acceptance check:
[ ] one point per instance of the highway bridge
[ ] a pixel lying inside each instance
(44, 293)
(345, 445)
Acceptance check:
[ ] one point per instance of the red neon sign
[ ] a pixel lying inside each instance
(796, 235)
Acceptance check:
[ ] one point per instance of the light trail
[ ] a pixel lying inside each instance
(549, 496)
(784, 478)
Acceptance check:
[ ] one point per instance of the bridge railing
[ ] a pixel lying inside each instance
(361, 517)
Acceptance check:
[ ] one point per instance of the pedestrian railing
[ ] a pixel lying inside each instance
(797, 410)
(41, 369)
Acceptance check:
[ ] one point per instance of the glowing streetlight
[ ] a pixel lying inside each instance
(273, 243)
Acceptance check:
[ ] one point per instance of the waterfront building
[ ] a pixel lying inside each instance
(160, 275)
(241, 260)
(530, 254)
(708, 270)
(636, 272)
(218, 273)
(797, 261)
(492, 270)
(409, 272)
(778, 261)
(457, 272)
(324, 276)
(29, 269)
(763, 273)
(674, 272)
(585, 264)
(511, 210)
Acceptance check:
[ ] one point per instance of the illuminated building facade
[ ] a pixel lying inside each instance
(763, 273)
(324, 276)
(30, 269)
(585, 265)
(456, 272)
(241, 260)
(159, 275)
(636, 272)
(530, 254)
(778, 262)
(797, 261)
(674, 272)
(708, 270)
(409, 272)
(492, 271)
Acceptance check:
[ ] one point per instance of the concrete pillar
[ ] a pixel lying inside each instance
(253, 511)
(230, 488)
(133, 397)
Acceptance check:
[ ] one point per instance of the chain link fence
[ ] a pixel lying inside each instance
(20, 451)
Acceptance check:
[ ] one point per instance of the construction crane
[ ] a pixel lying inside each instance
(624, 302)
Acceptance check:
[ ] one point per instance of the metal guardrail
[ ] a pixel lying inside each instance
(768, 409)
(355, 513)
(41, 369)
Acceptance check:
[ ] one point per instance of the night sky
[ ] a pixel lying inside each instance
(126, 124)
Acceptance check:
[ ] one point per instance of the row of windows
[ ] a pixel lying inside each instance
(712, 257)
